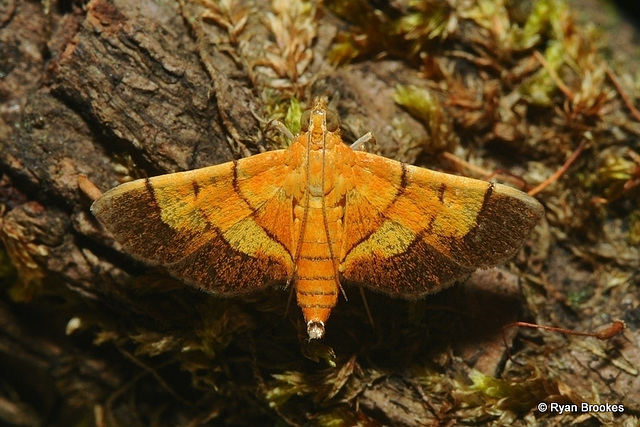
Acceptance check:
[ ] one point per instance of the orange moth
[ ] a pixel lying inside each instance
(316, 215)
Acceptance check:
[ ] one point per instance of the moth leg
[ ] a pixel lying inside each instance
(291, 292)
(366, 306)
(280, 127)
(365, 143)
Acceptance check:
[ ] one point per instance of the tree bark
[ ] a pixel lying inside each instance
(120, 90)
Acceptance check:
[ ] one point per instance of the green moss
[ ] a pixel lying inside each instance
(292, 118)
(376, 30)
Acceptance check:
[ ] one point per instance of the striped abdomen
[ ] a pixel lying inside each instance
(317, 282)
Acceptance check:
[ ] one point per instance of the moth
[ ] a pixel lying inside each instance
(315, 215)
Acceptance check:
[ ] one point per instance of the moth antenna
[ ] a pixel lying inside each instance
(328, 234)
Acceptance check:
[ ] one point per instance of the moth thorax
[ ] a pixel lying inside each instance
(315, 329)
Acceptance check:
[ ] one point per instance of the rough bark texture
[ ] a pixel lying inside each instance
(119, 90)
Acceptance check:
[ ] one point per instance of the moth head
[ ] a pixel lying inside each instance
(304, 120)
(331, 120)
(315, 329)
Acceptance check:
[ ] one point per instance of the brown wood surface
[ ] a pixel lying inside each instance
(119, 90)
